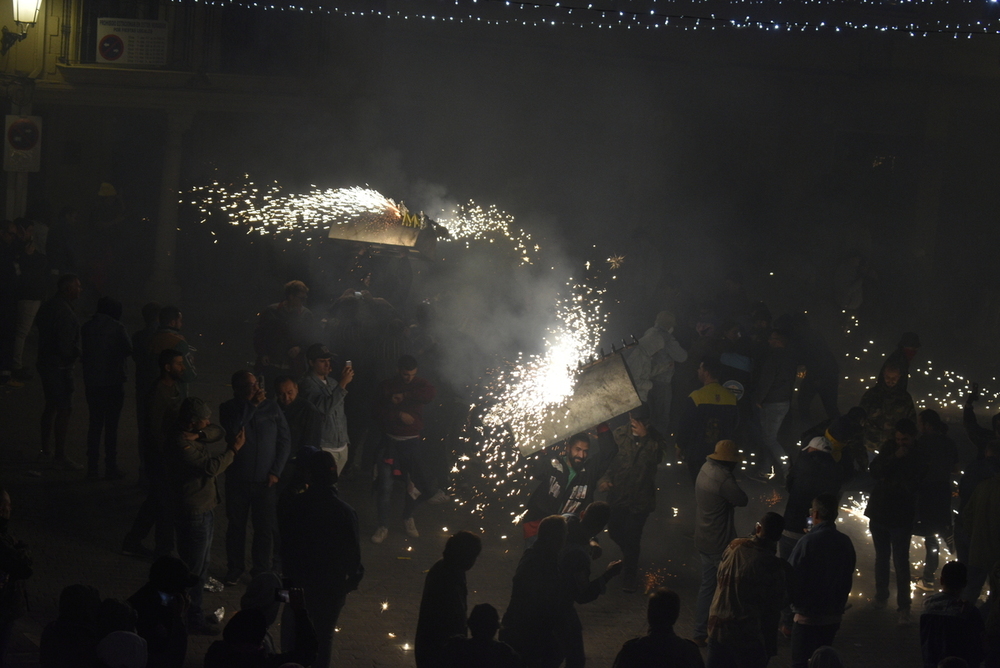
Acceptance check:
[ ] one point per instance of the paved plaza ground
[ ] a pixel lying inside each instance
(75, 528)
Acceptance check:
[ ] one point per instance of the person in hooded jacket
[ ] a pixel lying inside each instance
(885, 404)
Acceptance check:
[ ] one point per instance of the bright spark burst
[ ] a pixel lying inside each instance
(470, 222)
(268, 210)
(616, 261)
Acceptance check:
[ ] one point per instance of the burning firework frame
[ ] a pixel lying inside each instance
(603, 391)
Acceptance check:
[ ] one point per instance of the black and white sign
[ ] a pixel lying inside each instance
(22, 145)
(131, 42)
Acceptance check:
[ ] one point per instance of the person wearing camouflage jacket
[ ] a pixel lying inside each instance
(886, 404)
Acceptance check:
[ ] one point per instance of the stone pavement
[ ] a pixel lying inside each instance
(75, 528)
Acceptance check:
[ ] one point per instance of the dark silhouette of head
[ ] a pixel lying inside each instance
(551, 534)
(462, 550)
(321, 468)
(484, 622)
(594, 518)
(954, 576)
(663, 609)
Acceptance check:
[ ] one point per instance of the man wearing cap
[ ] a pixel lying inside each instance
(193, 471)
(631, 486)
(823, 564)
(752, 588)
(717, 495)
(327, 396)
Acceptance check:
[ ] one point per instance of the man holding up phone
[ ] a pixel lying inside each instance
(193, 472)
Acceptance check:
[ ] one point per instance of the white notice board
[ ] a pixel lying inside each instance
(131, 42)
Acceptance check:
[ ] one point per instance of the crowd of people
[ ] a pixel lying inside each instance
(717, 385)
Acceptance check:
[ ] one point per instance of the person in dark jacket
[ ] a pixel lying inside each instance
(979, 436)
(631, 486)
(163, 402)
(160, 605)
(774, 386)
(822, 371)
(566, 479)
(147, 371)
(399, 411)
(71, 640)
(443, 605)
(32, 287)
(662, 648)
(532, 618)
(106, 347)
(813, 473)
(975, 473)
(284, 331)
(900, 358)
(251, 480)
(321, 551)
(243, 646)
(950, 626)
(574, 566)
(58, 351)
(305, 424)
(846, 436)
(15, 568)
(823, 563)
(481, 650)
(710, 415)
(940, 461)
(891, 510)
(169, 336)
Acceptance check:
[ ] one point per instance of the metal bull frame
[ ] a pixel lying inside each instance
(604, 390)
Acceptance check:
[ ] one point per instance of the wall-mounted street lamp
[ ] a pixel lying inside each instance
(25, 16)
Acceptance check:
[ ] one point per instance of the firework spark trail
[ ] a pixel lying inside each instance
(267, 210)
(469, 222)
(523, 392)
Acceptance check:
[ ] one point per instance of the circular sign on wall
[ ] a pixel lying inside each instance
(111, 47)
(23, 135)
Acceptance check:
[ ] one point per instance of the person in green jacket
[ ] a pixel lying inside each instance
(193, 470)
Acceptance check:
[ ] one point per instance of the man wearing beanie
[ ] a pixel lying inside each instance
(193, 472)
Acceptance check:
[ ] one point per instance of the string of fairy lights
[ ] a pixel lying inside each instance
(966, 18)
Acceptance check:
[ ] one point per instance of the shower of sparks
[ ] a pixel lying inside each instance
(653, 579)
(772, 499)
(470, 222)
(268, 210)
(521, 396)
(616, 261)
